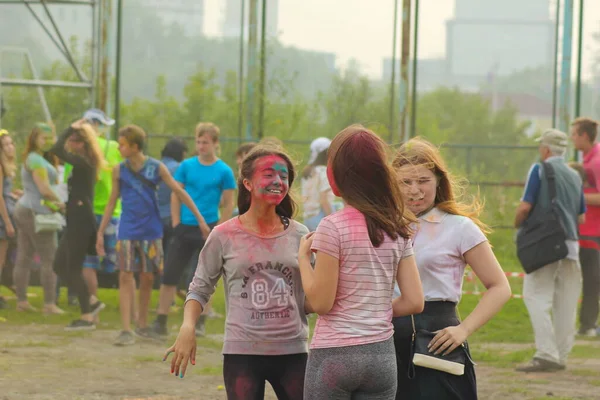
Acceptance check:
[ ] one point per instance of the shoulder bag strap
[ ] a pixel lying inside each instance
(145, 181)
(551, 177)
(141, 177)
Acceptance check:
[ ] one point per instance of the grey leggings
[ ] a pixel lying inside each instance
(29, 243)
(353, 372)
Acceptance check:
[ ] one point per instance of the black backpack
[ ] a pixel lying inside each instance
(541, 240)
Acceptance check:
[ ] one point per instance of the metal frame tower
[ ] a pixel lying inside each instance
(98, 83)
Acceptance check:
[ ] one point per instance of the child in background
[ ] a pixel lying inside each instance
(140, 230)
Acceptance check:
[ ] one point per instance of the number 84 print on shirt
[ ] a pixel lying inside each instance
(267, 289)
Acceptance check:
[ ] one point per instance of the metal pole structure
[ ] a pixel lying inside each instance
(93, 47)
(404, 57)
(392, 126)
(40, 90)
(43, 83)
(104, 56)
(241, 72)
(118, 67)
(565, 71)
(413, 114)
(50, 35)
(261, 81)
(555, 75)
(68, 54)
(579, 59)
(251, 69)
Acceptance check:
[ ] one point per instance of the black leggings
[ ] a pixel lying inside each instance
(245, 376)
(77, 241)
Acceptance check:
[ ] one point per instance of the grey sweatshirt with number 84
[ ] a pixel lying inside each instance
(263, 289)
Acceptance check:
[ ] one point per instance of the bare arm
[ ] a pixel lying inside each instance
(411, 299)
(592, 199)
(180, 193)
(522, 213)
(227, 205)
(324, 202)
(482, 260)
(320, 284)
(3, 209)
(115, 193)
(176, 208)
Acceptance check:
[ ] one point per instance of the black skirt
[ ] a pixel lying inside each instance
(429, 383)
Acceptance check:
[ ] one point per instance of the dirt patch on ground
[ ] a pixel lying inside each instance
(43, 362)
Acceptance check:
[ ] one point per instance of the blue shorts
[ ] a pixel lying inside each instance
(107, 263)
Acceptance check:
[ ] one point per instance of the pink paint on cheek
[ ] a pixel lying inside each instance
(272, 173)
(331, 180)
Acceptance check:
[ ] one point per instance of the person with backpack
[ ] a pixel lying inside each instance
(555, 287)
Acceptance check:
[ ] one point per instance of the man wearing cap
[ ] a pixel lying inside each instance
(100, 121)
(583, 134)
(554, 287)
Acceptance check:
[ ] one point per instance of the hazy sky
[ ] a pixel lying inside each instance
(360, 29)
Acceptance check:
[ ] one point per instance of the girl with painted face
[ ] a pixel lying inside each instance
(266, 330)
(448, 237)
(360, 252)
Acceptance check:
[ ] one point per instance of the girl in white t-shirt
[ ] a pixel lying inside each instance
(448, 237)
(316, 193)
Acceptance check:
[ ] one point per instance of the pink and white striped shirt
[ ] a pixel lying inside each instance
(362, 310)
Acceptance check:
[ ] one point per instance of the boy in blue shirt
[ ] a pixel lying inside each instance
(210, 183)
(139, 246)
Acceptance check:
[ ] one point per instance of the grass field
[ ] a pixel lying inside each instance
(38, 358)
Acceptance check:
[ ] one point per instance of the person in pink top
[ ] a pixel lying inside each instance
(361, 251)
(448, 237)
(583, 134)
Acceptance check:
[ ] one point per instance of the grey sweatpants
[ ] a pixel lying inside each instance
(28, 243)
(353, 372)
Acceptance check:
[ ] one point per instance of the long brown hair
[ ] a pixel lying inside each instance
(419, 151)
(31, 143)
(288, 206)
(93, 152)
(364, 179)
(8, 166)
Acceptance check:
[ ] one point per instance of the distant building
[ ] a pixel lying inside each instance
(233, 13)
(189, 14)
(498, 37)
(487, 39)
(530, 108)
(431, 73)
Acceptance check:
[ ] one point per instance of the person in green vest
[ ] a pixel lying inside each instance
(101, 123)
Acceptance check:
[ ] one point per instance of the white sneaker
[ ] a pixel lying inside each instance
(590, 333)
